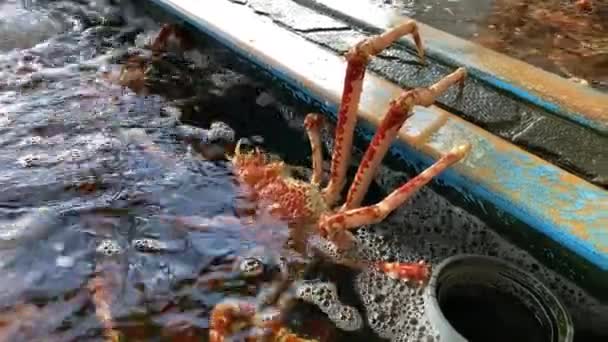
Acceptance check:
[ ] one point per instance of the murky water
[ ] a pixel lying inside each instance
(89, 170)
(567, 37)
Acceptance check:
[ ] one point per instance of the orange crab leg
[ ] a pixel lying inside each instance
(353, 218)
(400, 109)
(357, 59)
(166, 33)
(162, 38)
(335, 226)
(313, 123)
(418, 272)
(102, 288)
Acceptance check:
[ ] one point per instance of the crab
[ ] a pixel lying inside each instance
(318, 225)
(277, 278)
(578, 49)
(139, 65)
(316, 220)
(263, 316)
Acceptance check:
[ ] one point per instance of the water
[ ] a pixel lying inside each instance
(567, 37)
(93, 173)
(90, 169)
(482, 322)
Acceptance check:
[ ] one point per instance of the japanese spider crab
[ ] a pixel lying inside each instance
(319, 223)
(312, 210)
(136, 69)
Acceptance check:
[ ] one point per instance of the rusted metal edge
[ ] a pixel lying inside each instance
(555, 94)
(569, 210)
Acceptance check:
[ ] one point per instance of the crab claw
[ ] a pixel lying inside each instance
(418, 272)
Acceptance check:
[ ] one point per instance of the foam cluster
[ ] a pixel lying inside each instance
(430, 228)
(318, 245)
(148, 245)
(325, 296)
(250, 267)
(219, 133)
(108, 248)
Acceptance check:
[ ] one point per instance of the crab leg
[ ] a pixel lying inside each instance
(353, 218)
(164, 36)
(400, 109)
(313, 122)
(357, 58)
(431, 129)
(102, 287)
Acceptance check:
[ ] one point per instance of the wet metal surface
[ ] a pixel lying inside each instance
(574, 147)
(564, 207)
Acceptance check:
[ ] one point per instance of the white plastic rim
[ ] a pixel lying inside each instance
(484, 267)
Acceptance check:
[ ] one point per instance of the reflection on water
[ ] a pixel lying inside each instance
(84, 191)
(567, 37)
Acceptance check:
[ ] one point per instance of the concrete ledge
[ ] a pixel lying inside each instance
(563, 207)
(577, 103)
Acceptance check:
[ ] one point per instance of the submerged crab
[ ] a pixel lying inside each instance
(136, 70)
(315, 220)
(278, 290)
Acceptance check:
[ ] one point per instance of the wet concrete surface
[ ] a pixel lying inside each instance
(564, 37)
(462, 18)
(307, 19)
(577, 149)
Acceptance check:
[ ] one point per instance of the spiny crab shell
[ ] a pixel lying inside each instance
(297, 202)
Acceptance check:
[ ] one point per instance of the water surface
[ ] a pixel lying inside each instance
(90, 169)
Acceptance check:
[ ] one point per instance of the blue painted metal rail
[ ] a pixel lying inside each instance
(565, 208)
